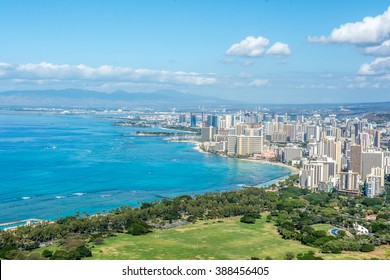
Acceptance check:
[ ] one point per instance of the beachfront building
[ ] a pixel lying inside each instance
(290, 153)
(207, 133)
(244, 145)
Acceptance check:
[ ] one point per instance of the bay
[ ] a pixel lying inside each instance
(53, 165)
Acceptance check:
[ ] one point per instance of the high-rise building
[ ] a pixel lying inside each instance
(290, 153)
(313, 172)
(377, 171)
(377, 139)
(364, 140)
(356, 159)
(247, 145)
(373, 185)
(207, 133)
(231, 144)
(240, 128)
(369, 160)
(279, 137)
(244, 145)
(349, 182)
(313, 131)
(193, 120)
(228, 121)
(332, 149)
(182, 118)
(212, 120)
(222, 124)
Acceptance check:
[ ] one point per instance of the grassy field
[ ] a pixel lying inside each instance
(212, 240)
(230, 239)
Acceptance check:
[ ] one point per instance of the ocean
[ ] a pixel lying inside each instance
(52, 165)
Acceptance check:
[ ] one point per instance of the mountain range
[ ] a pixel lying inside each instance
(89, 98)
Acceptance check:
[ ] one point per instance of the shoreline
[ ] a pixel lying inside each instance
(11, 225)
(293, 169)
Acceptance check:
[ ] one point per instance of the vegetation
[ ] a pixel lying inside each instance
(296, 214)
(202, 240)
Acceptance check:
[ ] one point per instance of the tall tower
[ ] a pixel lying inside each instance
(377, 139)
(193, 120)
(356, 159)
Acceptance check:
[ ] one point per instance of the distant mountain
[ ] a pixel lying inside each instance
(88, 98)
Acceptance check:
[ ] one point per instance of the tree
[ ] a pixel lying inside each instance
(137, 227)
(47, 253)
(332, 247)
(82, 252)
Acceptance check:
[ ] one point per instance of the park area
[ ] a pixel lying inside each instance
(221, 239)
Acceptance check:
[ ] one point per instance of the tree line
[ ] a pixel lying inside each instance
(293, 210)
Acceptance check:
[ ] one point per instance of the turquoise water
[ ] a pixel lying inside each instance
(55, 165)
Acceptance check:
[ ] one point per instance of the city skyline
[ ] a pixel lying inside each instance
(258, 51)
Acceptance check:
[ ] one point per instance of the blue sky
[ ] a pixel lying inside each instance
(262, 51)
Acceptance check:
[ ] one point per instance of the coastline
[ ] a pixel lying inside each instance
(293, 169)
(196, 147)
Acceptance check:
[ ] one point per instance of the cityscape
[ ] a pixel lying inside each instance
(224, 137)
(348, 154)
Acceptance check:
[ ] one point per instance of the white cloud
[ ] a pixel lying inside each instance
(379, 66)
(363, 85)
(371, 30)
(316, 86)
(250, 46)
(259, 83)
(279, 49)
(381, 50)
(247, 63)
(257, 47)
(49, 71)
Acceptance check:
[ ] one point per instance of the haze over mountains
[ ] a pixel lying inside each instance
(88, 98)
(165, 99)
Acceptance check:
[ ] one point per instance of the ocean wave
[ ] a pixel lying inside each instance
(25, 197)
(105, 195)
(79, 194)
(59, 196)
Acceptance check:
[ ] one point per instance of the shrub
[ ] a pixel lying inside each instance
(247, 219)
(47, 253)
(367, 248)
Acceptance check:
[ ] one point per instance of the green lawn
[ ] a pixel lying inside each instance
(212, 240)
(325, 227)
